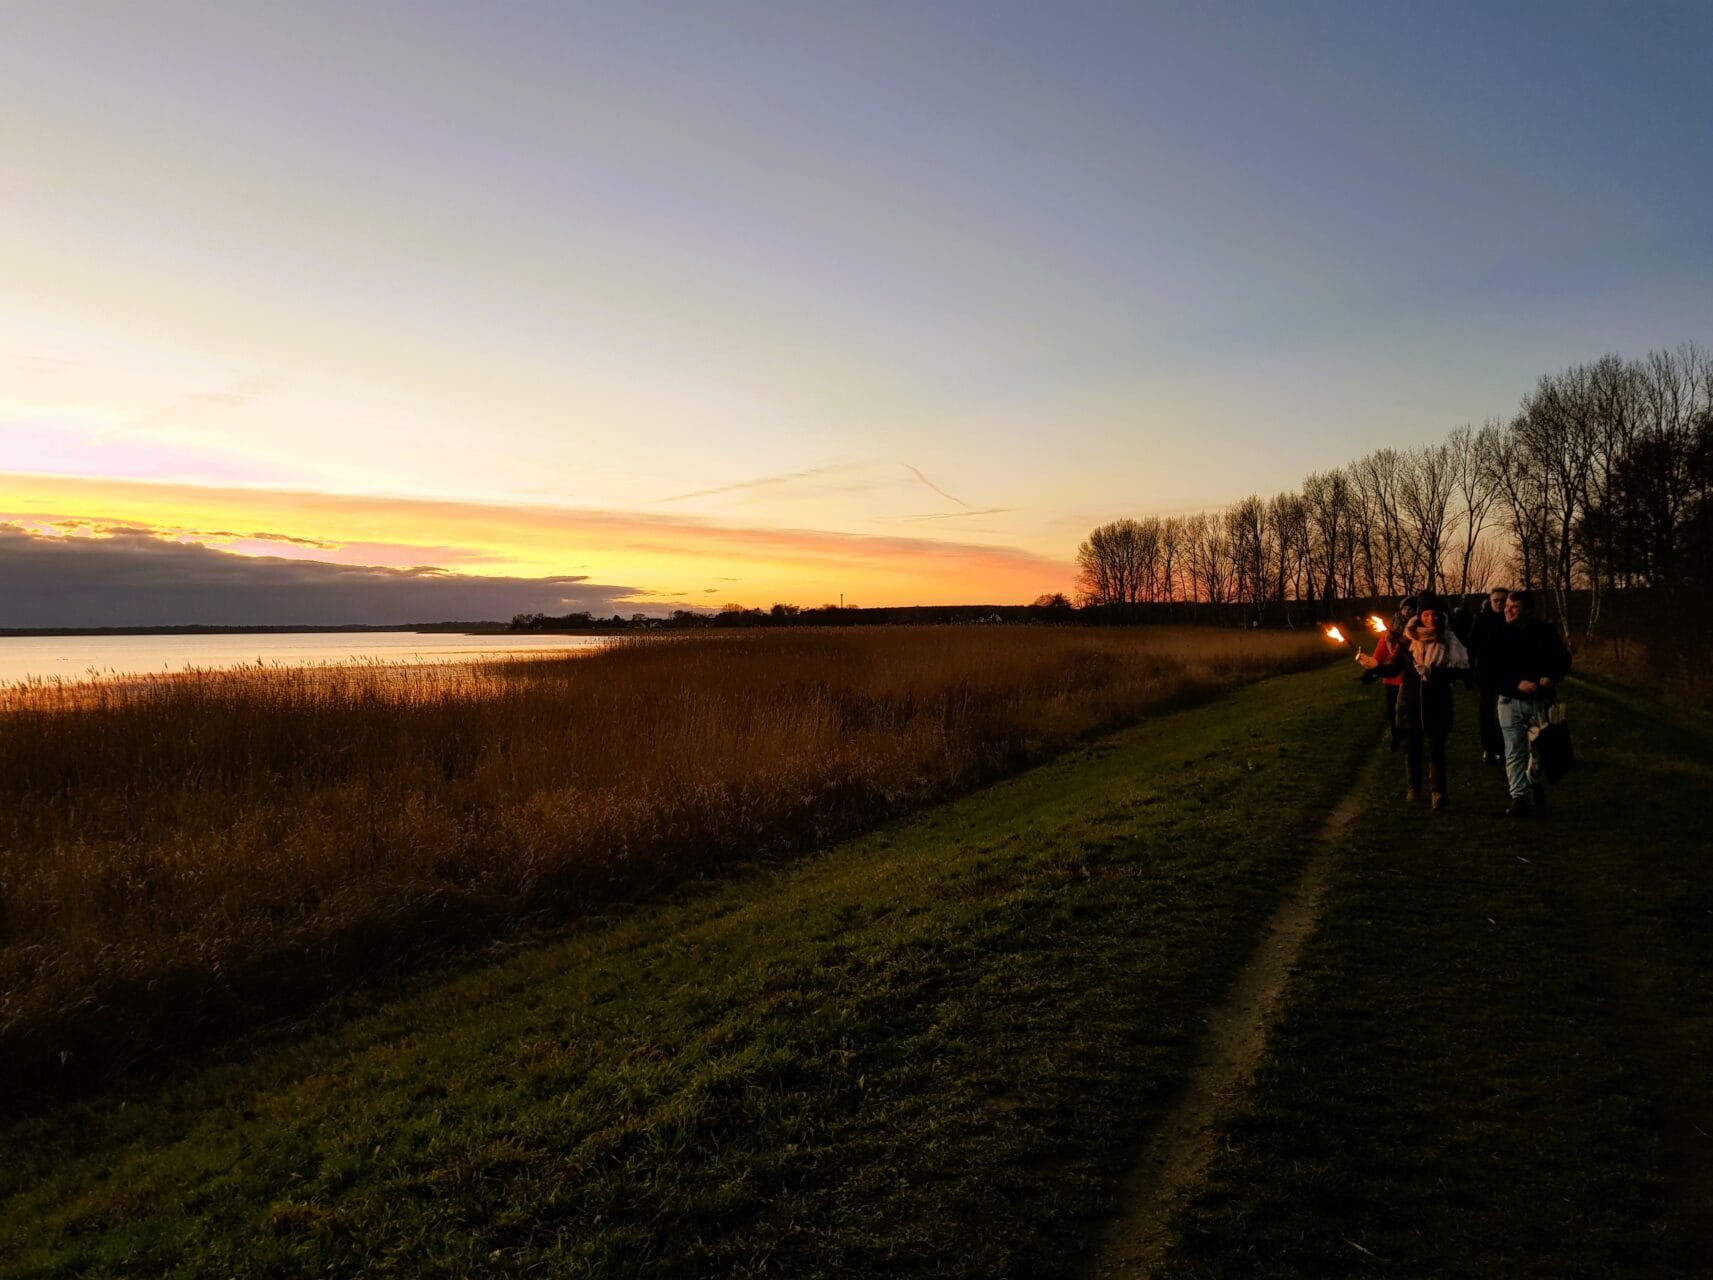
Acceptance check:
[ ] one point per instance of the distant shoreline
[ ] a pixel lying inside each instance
(194, 629)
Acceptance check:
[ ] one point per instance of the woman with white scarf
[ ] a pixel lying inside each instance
(1431, 661)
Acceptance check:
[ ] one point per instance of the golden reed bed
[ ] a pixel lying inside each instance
(183, 855)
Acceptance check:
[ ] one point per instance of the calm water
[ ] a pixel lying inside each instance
(80, 657)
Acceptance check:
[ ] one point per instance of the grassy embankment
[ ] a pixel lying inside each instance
(183, 857)
(1495, 1060)
(932, 1051)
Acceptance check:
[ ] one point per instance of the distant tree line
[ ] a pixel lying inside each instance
(1600, 488)
(1048, 608)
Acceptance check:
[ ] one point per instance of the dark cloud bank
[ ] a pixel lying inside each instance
(135, 580)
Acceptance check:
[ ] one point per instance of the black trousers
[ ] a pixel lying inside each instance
(1392, 710)
(1492, 741)
(1432, 745)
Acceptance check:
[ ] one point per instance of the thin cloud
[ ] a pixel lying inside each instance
(197, 404)
(960, 515)
(936, 488)
(320, 543)
(97, 528)
(747, 486)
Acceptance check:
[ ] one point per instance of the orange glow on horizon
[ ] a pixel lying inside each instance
(669, 561)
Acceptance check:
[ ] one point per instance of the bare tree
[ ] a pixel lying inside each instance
(1518, 486)
(1148, 558)
(1477, 491)
(1110, 564)
(1485, 563)
(1246, 531)
(1655, 486)
(1330, 520)
(1376, 480)
(1208, 555)
(1555, 432)
(1426, 480)
(1171, 540)
(1287, 514)
(1612, 391)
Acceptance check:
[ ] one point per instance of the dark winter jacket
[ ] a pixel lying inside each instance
(1483, 635)
(1527, 650)
(1422, 704)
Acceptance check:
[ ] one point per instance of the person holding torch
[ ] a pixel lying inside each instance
(1431, 660)
(1391, 641)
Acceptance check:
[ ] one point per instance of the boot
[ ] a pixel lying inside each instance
(1519, 808)
(1441, 802)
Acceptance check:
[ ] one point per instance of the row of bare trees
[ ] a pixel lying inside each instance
(1603, 480)
(1606, 483)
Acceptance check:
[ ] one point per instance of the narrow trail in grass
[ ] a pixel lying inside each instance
(1174, 1161)
(1492, 1057)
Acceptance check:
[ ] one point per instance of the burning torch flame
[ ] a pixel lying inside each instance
(1336, 636)
(1377, 624)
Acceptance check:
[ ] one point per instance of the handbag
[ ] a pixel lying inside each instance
(1554, 750)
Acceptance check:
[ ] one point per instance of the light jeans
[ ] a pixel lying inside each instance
(1516, 717)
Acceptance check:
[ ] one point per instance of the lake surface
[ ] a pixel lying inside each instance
(82, 657)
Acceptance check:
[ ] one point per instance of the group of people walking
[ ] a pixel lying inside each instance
(1515, 662)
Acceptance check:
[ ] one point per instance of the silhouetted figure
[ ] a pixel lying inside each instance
(1483, 636)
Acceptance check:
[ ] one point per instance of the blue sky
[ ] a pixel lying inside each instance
(1065, 262)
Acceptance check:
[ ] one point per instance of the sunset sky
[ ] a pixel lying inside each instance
(634, 306)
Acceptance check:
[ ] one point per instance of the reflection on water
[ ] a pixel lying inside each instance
(81, 657)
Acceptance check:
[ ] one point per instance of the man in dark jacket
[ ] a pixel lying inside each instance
(1529, 663)
(1483, 635)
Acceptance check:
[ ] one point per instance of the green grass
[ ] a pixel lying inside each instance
(1495, 1058)
(932, 1051)
(935, 1051)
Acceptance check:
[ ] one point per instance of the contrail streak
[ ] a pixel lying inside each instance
(936, 488)
(763, 483)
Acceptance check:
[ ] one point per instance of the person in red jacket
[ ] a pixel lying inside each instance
(1389, 645)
